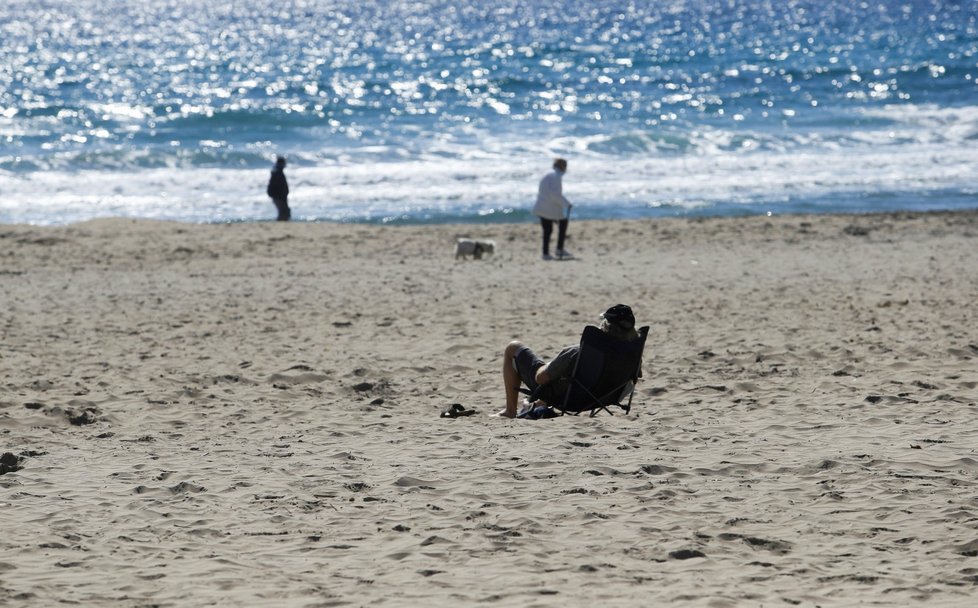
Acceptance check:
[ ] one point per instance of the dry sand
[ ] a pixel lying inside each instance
(247, 415)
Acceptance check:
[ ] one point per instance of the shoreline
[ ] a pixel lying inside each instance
(519, 216)
(248, 413)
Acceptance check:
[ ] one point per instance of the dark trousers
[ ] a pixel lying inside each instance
(548, 230)
(284, 213)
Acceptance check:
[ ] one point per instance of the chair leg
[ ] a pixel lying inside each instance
(628, 406)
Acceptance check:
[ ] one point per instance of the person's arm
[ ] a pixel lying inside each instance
(559, 195)
(559, 367)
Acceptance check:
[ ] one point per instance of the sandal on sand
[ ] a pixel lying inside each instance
(456, 410)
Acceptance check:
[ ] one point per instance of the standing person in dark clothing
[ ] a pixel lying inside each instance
(278, 189)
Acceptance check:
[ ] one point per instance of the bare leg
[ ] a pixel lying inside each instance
(511, 379)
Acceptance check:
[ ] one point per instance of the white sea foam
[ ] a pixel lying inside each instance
(929, 123)
(440, 188)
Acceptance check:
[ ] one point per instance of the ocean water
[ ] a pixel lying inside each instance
(438, 111)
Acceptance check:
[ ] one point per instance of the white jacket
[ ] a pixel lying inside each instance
(551, 204)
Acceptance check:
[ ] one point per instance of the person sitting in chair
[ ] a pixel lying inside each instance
(549, 381)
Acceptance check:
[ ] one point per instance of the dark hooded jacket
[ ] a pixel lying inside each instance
(278, 187)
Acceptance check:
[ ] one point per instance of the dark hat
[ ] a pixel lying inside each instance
(620, 315)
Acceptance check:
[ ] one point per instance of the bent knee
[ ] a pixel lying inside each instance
(512, 348)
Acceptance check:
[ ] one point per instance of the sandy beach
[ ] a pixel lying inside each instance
(248, 415)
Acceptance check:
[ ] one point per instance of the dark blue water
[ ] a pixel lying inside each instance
(434, 111)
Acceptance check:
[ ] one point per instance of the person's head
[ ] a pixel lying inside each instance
(560, 165)
(619, 322)
(280, 162)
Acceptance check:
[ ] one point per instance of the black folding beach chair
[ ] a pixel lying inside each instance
(605, 367)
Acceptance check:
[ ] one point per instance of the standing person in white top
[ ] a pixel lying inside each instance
(553, 207)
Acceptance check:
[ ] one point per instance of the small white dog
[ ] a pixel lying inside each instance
(474, 247)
